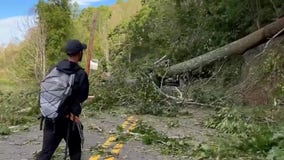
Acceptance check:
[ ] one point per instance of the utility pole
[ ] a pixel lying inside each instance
(90, 44)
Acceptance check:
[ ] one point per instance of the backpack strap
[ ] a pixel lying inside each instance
(41, 122)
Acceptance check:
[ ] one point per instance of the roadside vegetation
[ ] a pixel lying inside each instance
(135, 43)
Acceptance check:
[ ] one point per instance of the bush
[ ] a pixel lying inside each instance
(139, 97)
(18, 107)
(4, 130)
(243, 134)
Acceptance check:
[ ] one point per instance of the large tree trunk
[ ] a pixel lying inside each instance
(236, 47)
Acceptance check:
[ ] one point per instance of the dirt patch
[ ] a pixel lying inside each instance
(257, 81)
(255, 96)
(186, 126)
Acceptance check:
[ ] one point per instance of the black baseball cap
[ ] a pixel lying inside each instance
(74, 46)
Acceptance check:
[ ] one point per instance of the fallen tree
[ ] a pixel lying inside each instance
(236, 47)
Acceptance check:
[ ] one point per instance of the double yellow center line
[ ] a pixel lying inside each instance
(128, 125)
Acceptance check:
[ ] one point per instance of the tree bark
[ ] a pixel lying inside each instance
(90, 43)
(236, 47)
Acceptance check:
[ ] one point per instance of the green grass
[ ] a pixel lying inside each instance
(168, 146)
(4, 130)
(245, 133)
(18, 108)
(7, 85)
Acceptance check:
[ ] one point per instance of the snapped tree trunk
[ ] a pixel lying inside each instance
(236, 47)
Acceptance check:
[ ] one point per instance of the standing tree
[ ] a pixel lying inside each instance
(55, 15)
(103, 31)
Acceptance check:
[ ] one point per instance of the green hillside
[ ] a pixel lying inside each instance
(136, 42)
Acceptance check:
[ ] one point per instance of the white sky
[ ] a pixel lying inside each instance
(13, 29)
(86, 2)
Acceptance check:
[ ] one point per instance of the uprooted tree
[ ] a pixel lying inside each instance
(236, 47)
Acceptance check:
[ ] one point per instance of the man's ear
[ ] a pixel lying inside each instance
(80, 56)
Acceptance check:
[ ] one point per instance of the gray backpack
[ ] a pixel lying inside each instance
(54, 89)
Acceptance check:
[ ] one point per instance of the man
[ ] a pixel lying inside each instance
(63, 126)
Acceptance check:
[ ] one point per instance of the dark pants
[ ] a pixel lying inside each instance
(54, 132)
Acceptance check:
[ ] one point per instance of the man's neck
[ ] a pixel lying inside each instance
(72, 59)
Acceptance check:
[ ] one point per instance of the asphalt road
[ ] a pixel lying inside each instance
(98, 131)
(23, 145)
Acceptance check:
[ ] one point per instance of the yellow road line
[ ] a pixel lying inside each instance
(107, 143)
(95, 157)
(124, 124)
(130, 118)
(132, 126)
(116, 149)
(110, 139)
(109, 158)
